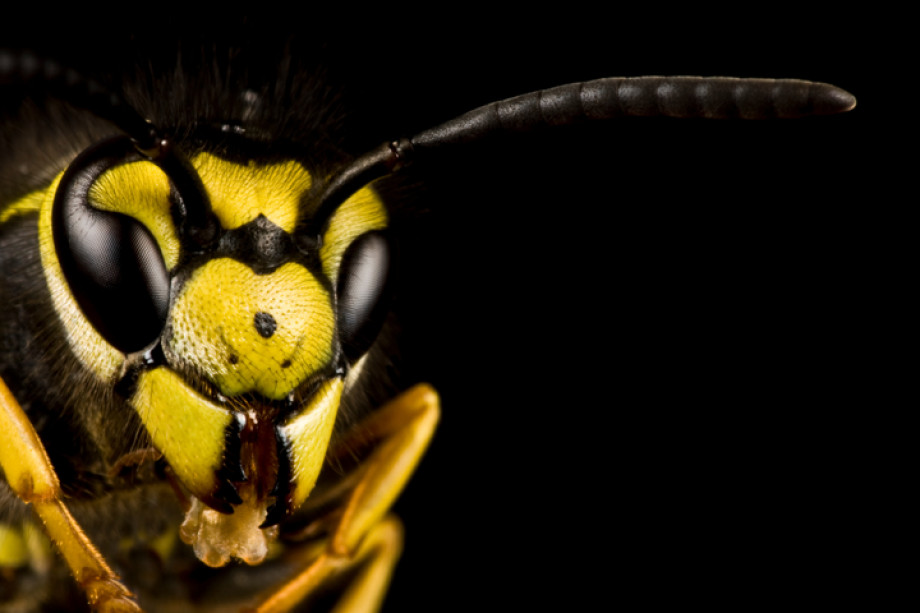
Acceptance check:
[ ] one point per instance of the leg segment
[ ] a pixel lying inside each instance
(30, 475)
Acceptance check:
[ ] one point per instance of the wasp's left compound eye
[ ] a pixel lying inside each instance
(111, 262)
(363, 289)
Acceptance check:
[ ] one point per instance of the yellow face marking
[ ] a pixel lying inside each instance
(240, 193)
(141, 190)
(253, 333)
(186, 427)
(309, 434)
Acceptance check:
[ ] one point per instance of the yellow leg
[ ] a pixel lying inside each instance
(404, 428)
(29, 473)
(381, 548)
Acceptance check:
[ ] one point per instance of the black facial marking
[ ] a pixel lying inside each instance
(282, 488)
(259, 244)
(265, 324)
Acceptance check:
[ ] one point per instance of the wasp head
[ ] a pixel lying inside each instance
(234, 348)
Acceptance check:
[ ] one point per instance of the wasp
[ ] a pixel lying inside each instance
(198, 285)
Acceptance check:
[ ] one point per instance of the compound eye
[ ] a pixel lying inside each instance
(364, 285)
(111, 261)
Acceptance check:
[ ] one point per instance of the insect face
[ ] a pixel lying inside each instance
(237, 370)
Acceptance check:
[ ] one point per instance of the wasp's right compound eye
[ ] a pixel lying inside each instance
(111, 261)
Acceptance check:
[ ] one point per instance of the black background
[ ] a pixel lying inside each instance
(642, 333)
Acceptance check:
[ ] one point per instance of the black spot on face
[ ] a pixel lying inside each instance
(233, 359)
(265, 324)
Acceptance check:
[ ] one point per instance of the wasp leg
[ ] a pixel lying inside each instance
(404, 427)
(30, 475)
(381, 547)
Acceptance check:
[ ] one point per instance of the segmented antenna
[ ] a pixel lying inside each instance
(603, 99)
(682, 97)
